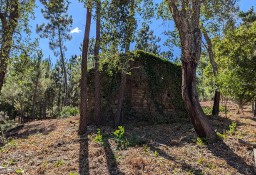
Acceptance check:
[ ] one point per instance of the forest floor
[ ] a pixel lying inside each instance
(52, 147)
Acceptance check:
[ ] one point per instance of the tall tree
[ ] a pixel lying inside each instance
(146, 40)
(209, 47)
(83, 83)
(57, 30)
(186, 15)
(97, 107)
(126, 8)
(11, 12)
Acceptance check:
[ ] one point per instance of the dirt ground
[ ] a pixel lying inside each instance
(52, 147)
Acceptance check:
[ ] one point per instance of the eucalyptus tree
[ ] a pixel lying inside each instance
(57, 30)
(14, 17)
(186, 15)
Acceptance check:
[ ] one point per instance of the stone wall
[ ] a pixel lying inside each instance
(153, 90)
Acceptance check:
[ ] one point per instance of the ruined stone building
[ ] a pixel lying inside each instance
(153, 90)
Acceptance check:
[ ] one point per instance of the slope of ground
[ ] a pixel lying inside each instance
(52, 147)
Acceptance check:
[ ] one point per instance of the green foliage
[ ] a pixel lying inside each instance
(236, 57)
(121, 141)
(200, 141)
(221, 136)
(73, 173)
(232, 127)
(207, 110)
(98, 137)
(231, 130)
(19, 171)
(69, 111)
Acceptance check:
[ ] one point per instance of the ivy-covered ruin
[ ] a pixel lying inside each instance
(153, 90)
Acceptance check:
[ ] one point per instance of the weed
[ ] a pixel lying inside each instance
(73, 173)
(200, 141)
(232, 128)
(122, 142)
(222, 136)
(59, 163)
(207, 110)
(156, 154)
(146, 148)
(98, 137)
(19, 171)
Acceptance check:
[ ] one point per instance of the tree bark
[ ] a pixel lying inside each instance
(216, 102)
(186, 17)
(120, 99)
(83, 83)
(97, 107)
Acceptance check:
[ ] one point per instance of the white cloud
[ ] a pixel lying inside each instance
(75, 30)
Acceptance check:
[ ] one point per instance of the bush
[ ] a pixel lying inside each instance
(121, 141)
(68, 111)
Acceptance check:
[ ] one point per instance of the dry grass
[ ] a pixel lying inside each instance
(52, 147)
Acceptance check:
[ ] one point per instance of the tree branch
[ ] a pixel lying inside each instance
(175, 13)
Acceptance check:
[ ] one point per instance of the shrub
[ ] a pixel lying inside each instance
(68, 111)
(122, 142)
(98, 137)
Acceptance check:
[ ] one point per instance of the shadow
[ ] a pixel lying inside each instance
(83, 156)
(221, 150)
(111, 160)
(250, 118)
(184, 165)
(28, 130)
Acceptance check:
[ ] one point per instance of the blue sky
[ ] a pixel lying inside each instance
(78, 13)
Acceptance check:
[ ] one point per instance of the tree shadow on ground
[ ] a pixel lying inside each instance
(221, 150)
(250, 118)
(184, 166)
(26, 131)
(84, 156)
(111, 160)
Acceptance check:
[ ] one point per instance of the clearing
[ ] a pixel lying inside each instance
(52, 147)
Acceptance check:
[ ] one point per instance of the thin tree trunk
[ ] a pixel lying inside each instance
(120, 99)
(97, 107)
(83, 83)
(129, 32)
(63, 65)
(216, 102)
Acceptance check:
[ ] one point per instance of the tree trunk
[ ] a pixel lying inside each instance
(97, 104)
(120, 99)
(63, 66)
(187, 22)
(216, 103)
(128, 39)
(189, 95)
(83, 83)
